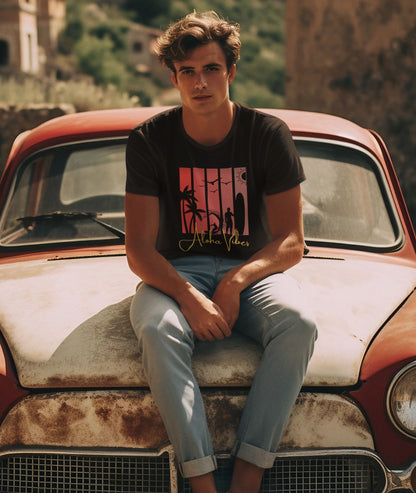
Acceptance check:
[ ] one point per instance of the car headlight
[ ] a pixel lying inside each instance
(401, 400)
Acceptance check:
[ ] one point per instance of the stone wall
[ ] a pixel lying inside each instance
(356, 59)
(16, 119)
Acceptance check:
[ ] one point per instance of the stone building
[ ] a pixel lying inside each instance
(51, 20)
(29, 34)
(29, 31)
(140, 42)
(357, 59)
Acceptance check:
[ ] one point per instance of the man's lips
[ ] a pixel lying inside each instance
(201, 97)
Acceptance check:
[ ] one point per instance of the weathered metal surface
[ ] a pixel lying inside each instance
(67, 323)
(130, 419)
(78, 419)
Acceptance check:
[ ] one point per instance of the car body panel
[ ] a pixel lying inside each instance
(80, 335)
(10, 390)
(131, 419)
(395, 343)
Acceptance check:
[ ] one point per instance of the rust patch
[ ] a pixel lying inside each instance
(103, 413)
(85, 419)
(325, 420)
(223, 415)
(32, 415)
(144, 427)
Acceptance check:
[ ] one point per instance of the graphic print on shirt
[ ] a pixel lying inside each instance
(214, 208)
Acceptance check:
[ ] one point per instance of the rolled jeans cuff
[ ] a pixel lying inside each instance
(254, 455)
(197, 467)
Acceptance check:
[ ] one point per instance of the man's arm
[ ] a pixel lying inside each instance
(142, 226)
(284, 213)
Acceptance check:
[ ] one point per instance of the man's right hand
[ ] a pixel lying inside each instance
(142, 225)
(204, 316)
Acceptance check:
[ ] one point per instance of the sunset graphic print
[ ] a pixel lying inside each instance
(214, 208)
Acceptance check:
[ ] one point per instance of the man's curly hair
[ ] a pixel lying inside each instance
(197, 29)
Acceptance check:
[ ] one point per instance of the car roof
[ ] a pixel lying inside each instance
(118, 122)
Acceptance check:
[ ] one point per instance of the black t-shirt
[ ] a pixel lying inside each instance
(212, 198)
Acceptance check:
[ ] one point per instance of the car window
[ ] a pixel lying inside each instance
(60, 195)
(54, 187)
(344, 197)
(93, 173)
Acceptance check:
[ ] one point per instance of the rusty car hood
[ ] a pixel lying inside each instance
(67, 322)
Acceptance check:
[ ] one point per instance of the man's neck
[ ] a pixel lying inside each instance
(209, 129)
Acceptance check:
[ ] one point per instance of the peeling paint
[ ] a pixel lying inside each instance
(130, 419)
(326, 421)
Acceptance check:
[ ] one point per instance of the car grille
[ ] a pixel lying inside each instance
(70, 473)
(322, 474)
(61, 473)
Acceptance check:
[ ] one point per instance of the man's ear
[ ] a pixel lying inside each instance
(231, 73)
(173, 78)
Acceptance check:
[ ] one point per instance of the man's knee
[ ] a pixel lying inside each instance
(308, 326)
(164, 330)
(297, 325)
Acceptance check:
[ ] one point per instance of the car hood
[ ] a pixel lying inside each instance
(67, 322)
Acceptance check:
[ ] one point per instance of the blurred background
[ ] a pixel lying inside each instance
(354, 59)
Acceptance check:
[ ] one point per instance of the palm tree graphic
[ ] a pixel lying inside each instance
(190, 207)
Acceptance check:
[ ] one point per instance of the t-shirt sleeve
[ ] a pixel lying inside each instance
(141, 164)
(283, 166)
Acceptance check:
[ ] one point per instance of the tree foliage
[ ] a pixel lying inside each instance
(96, 58)
(96, 33)
(145, 11)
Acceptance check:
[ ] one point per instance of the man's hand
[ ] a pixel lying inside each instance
(227, 297)
(204, 316)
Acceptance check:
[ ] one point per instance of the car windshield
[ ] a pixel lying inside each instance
(75, 193)
(67, 194)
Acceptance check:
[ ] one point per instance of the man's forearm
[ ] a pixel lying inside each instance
(277, 256)
(152, 268)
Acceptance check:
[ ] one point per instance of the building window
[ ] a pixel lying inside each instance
(4, 53)
(137, 47)
(30, 51)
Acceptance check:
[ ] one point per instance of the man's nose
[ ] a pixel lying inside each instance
(200, 82)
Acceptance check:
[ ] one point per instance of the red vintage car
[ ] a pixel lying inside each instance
(76, 414)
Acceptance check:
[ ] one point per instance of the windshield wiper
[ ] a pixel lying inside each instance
(29, 221)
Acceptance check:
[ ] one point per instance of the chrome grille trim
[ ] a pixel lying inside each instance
(87, 471)
(23, 470)
(314, 471)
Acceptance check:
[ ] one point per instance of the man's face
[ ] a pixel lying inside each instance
(203, 78)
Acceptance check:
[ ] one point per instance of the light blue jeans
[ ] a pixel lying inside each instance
(274, 313)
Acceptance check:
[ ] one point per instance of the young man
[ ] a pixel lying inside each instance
(192, 172)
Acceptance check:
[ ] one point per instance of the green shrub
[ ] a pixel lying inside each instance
(96, 57)
(255, 95)
(84, 95)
